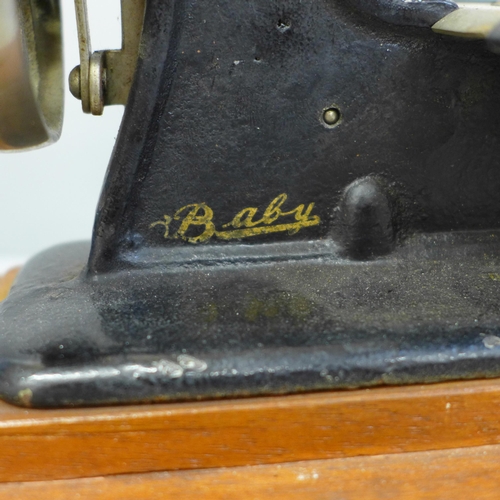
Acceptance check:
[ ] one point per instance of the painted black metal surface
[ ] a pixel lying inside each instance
(303, 196)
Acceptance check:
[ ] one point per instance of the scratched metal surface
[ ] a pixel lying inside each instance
(242, 246)
(426, 313)
(226, 115)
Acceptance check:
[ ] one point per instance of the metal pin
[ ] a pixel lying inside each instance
(331, 116)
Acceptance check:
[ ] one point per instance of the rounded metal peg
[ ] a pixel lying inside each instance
(366, 219)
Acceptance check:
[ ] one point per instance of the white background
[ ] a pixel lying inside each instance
(48, 196)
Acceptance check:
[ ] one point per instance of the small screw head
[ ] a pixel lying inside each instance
(331, 116)
(74, 82)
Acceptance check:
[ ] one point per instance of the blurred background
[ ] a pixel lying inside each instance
(48, 196)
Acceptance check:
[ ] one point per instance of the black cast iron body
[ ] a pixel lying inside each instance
(303, 196)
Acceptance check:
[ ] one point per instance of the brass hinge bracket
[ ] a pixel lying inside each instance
(104, 77)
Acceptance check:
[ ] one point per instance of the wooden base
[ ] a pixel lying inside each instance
(470, 473)
(58, 444)
(6, 282)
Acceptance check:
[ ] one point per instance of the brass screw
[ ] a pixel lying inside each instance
(74, 82)
(331, 116)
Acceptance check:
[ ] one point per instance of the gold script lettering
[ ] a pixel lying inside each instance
(243, 224)
(193, 219)
(243, 218)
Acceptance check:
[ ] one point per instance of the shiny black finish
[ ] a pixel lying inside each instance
(375, 262)
(405, 12)
(288, 318)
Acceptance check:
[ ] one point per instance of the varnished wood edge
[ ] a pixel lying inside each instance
(58, 444)
(441, 475)
(6, 282)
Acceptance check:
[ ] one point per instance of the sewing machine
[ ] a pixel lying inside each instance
(303, 197)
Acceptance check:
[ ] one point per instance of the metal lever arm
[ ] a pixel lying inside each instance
(470, 21)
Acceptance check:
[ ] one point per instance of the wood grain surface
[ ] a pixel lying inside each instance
(6, 281)
(468, 474)
(57, 444)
